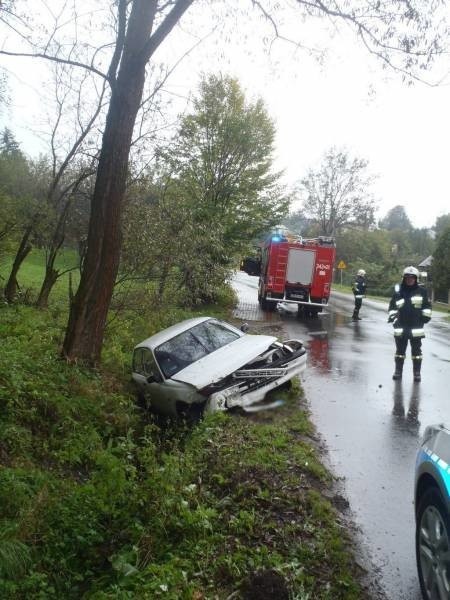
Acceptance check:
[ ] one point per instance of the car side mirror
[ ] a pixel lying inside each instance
(245, 327)
(151, 379)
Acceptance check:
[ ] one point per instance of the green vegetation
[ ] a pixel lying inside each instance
(99, 499)
(441, 262)
(346, 289)
(383, 251)
(191, 219)
(31, 274)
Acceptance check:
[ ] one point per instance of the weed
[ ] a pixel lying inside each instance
(100, 500)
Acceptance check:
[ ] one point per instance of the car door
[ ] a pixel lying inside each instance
(150, 381)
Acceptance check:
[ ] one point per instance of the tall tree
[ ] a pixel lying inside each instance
(422, 243)
(355, 245)
(216, 191)
(9, 146)
(141, 29)
(337, 194)
(403, 36)
(441, 262)
(396, 218)
(73, 157)
(297, 222)
(222, 160)
(442, 222)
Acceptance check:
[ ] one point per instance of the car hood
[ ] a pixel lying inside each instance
(223, 362)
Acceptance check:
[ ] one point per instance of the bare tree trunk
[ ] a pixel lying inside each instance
(88, 312)
(70, 288)
(51, 277)
(52, 274)
(163, 281)
(23, 251)
(89, 309)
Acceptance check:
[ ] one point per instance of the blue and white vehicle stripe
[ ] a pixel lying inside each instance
(427, 455)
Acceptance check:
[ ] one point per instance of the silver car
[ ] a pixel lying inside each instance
(205, 364)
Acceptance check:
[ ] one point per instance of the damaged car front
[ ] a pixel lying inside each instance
(205, 364)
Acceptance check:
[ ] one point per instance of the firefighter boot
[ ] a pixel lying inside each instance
(417, 364)
(355, 315)
(399, 360)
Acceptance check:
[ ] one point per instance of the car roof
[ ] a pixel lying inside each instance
(166, 334)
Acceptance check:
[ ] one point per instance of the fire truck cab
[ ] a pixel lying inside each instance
(297, 271)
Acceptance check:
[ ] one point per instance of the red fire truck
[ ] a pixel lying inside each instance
(298, 271)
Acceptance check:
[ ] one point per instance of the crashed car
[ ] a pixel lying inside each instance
(432, 510)
(205, 364)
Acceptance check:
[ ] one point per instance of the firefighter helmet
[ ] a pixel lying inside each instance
(411, 271)
(361, 273)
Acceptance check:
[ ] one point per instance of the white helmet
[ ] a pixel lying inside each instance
(361, 273)
(411, 271)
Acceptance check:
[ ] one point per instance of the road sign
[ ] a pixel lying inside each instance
(342, 265)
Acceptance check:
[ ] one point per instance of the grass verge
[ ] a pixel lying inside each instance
(99, 499)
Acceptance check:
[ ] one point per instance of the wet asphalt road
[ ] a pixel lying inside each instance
(371, 425)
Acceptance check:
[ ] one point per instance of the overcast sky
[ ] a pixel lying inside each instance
(403, 131)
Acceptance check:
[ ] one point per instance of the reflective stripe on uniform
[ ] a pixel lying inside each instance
(417, 332)
(426, 312)
(358, 296)
(398, 331)
(417, 301)
(392, 312)
(402, 356)
(399, 303)
(418, 357)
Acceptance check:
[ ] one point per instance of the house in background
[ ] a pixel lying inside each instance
(425, 268)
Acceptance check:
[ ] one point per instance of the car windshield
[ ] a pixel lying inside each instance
(191, 345)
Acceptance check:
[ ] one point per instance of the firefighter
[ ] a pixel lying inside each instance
(409, 310)
(359, 291)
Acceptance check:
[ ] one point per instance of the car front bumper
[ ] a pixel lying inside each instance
(240, 396)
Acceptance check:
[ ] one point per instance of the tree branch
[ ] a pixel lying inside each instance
(73, 63)
(121, 34)
(165, 27)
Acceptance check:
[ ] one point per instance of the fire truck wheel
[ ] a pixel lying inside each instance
(267, 304)
(300, 311)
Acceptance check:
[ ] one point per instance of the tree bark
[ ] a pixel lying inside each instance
(163, 280)
(88, 312)
(51, 276)
(23, 251)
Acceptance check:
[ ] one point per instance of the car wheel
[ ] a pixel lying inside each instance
(433, 546)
